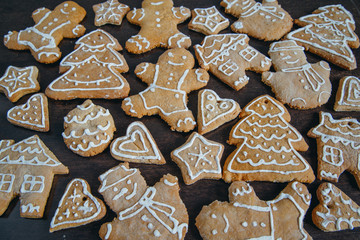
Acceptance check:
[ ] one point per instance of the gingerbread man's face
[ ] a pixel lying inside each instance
(178, 59)
(68, 8)
(157, 3)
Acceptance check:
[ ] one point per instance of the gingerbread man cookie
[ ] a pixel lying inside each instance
(169, 82)
(49, 29)
(158, 20)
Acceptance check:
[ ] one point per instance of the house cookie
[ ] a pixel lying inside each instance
(92, 70)
(17, 82)
(88, 129)
(169, 80)
(248, 217)
(337, 147)
(110, 12)
(330, 33)
(227, 56)
(34, 114)
(208, 21)
(158, 21)
(336, 211)
(143, 212)
(347, 96)
(137, 146)
(49, 29)
(198, 158)
(214, 111)
(77, 207)
(296, 82)
(27, 170)
(267, 146)
(265, 21)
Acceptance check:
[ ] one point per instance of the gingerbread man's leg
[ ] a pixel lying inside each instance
(179, 40)
(180, 121)
(135, 107)
(11, 41)
(139, 44)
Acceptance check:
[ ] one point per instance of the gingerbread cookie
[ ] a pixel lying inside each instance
(296, 82)
(330, 33)
(208, 21)
(214, 111)
(266, 21)
(92, 70)
(77, 207)
(347, 96)
(88, 129)
(158, 21)
(49, 29)
(248, 217)
(27, 170)
(336, 211)
(227, 56)
(198, 158)
(338, 147)
(143, 212)
(34, 114)
(17, 82)
(110, 12)
(169, 80)
(267, 146)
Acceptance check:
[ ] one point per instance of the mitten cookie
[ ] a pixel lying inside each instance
(330, 33)
(296, 82)
(248, 217)
(109, 12)
(143, 212)
(338, 147)
(49, 29)
(158, 21)
(92, 70)
(267, 146)
(347, 96)
(227, 56)
(266, 21)
(169, 82)
(208, 21)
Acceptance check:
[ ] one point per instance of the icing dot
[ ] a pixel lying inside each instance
(157, 13)
(144, 218)
(254, 223)
(214, 232)
(150, 226)
(129, 181)
(55, 19)
(177, 95)
(65, 5)
(115, 189)
(157, 233)
(74, 9)
(158, 25)
(244, 224)
(213, 216)
(158, 20)
(152, 89)
(263, 224)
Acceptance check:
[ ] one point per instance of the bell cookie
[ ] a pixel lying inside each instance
(296, 82)
(208, 21)
(158, 21)
(34, 114)
(198, 158)
(143, 212)
(88, 129)
(336, 211)
(137, 146)
(245, 216)
(77, 207)
(27, 170)
(92, 70)
(214, 111)
(169, 80)
(17, 82)
(227, 56)
(49, 29)
(265, 21)
(347, 96)
(330, 33)
(267, 146)
(337, 147)
(110, 12)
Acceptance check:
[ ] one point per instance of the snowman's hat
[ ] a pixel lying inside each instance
(287, 45)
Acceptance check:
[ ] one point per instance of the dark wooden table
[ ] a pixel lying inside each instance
(16, 15)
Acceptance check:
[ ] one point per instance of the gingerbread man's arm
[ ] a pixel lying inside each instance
(181, 13)
(270, 3)
(73, 30)
(195, 79)
(243, 193)
(39, 13)
(146, 72)
(135, 16)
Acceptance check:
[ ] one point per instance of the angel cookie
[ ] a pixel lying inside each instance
(208, 21)
(296, 82)
(111, 12)
(49, 29)
(169, 80)
(348, 94)
(227, 56)
(248, 217)
(266, 21)
(158, 20)
(143, 212)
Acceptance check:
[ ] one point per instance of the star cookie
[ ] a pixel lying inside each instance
(111, 12)
(198, 158)
(348, 94)
(34, 114)
(208, 21)
(17, 82)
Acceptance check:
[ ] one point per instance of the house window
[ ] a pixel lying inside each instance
(32, 184)
(6, 182)
(248, 53)
(332, 155)
(228, 68)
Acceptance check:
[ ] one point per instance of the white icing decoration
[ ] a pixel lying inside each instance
(184, 121)
(138, 38)
(238, 25)
(30, 208)
(6, 182)
(328, 175)
(31, 182)
(18, 76)
(243, 191)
